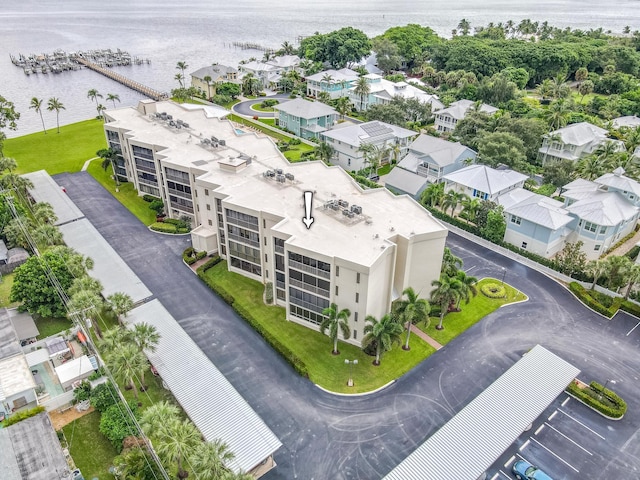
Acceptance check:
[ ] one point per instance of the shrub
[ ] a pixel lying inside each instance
(209, 264)
(596, 396)
(163, 227)
(585, 297)
(633, 253)
(103, 396)
(269, 103)
(82, 392)
(97, 374)
(295, 141)
(547, 189)
(157, 206)
(493, 290)
(115, 424)
(630, 307)
(268, 292)
(150, 198)
(18, 417)
(200, 255)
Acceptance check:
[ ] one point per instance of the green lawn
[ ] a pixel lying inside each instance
(57, 153)
(480, 306)
(294, 154)
(127, 195)
(154, 393)
(385, 169)
(268, 121)
(51, 326)
(91, 451)
(260, 108)
(5, 291)
(314, 349)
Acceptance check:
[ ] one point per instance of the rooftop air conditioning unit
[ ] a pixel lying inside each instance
(280, 178)
(289, 176)
(185, 124)
(222, 142)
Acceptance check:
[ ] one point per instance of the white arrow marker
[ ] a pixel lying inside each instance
(308, 205)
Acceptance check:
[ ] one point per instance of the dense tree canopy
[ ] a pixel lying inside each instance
(339, 48)
(413, 41)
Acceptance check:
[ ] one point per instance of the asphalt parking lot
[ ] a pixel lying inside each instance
(568, 441)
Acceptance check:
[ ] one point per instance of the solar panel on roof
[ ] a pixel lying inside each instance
(376, 129)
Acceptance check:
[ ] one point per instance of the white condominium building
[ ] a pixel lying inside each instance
(362, 250)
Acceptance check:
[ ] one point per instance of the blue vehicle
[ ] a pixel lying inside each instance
(525, 471)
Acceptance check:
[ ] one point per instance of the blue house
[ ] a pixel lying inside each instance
(304, 118)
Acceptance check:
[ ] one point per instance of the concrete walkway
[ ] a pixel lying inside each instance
(625, 247)
(86, 164)
(425, 337)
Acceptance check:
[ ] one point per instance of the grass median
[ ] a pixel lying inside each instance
(314, 349)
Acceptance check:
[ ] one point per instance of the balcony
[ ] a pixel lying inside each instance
(279, 248)
(309, 269)
(307, 305)
(183, 208)
(246, 241)
(280, 284)
(178, 193)
(309, 288)
(243, 224)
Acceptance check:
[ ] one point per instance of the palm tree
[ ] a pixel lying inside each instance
(176, 440)
(324, 97)
(145, 336)
(127, 363)
(47, 235)
(590, 167)
(335, 319)
(208, 460)
(464, 27)
(558, 113)
(287, 48)
(109, 159)
(19, 183)
(433, 195)
(451, 200)
(208, 79)
(112, 97)
(412, 310)
(470, 208)
(250, 84)
(8, 164)
(43, 213)
(101, 108)
(450, 263)
(55, 104)
(36, 104)
(182, 66)
(384, 332)
(328, 79)
(93, 95)
(324, 152)
(137, 463)
(550, 139)
(343, 106)
(179, 77)
(633, 277)
(362, 89)
(156, 416)
(447, 291)
(88, 303)
(114, 339)
(85, 282)
(559, 87)
(468, 286)
(596, 268)
(121, 304)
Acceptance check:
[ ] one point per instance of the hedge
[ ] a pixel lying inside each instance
(591, 396)
(150, 198)
(630, 307)
(18, 417)
(165, 227)
(493, 290)
(585, 297)
(209, 264)
(296, 362)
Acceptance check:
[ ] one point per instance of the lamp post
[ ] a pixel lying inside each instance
(605, 387)
(504, 272)
(351, 363)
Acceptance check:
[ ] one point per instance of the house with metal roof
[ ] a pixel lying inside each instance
(448, 118)
(217, 74)
(270, 72)
(628, 121)
(335, 82)
(304, 118)
(427, 161)
(382, 91)
(347, 139)
(483, 182)
(574, 142)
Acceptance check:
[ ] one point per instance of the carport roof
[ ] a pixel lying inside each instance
(474, 438)
(214, 406)
(114, 274)
(45, 189)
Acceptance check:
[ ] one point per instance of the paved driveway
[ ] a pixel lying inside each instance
(244, 108)
(326, 436)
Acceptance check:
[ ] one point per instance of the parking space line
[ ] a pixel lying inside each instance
(539, 429)
(575, 443)
(556, 455)
(631, 331)
(513, 457)
(524, 445)
(507, 476)
(580, 423)
(566, 401)
(552, 415)
(495, 476)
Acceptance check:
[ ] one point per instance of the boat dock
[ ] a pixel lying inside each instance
(252, 46)
(127, 82)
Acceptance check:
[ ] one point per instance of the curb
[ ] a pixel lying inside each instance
(167, 233)
(362, 394)
(595, 410)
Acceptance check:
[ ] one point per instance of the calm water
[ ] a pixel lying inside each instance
(200, 32)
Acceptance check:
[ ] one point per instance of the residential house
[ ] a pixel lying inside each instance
(598, 213)
(382, 91)
(218, 74)
(574, 142)
(483, 182)
(362, 250)
(370, 64)
(270, 72)
(629, 121)
(347, 140)
(428, 160)
(304, 118)
(448, 118)
(335, 82)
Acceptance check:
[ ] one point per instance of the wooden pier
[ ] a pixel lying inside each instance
(253, 46)
(127, 82)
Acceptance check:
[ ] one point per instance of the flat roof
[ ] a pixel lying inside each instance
(45, 189)
(30, 450)
(73, 369)
(214, 406)
(475, 437)
(114, 274)
(15, 376)
(9, 344)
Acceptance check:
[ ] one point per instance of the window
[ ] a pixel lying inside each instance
(355, 334)
(603, 229)
(358, 277)
(516, 220)
(337, 271)
(336, 290)
(264, 223)
(348, 162)
(357, 297)
(265, 241)
(590, 227)
(596, 248)
(265, 258)
(524, 245)
(266, 272)
(210, 222)
(355, 316)
(208, 207)
(206, 191)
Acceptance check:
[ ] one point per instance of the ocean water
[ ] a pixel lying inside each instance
(201, 32)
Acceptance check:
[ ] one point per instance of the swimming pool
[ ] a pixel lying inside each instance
(240, 132)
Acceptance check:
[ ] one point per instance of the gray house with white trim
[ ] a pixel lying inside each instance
(574, 142)
(483, 182)
(304, 118)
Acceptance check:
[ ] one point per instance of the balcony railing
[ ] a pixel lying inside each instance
(309, 288)
(278, 249)
(186, 195)
(243, 224)
(307, 305)
(184, 208)
(280, 284)
(247, 241)
(308, 269)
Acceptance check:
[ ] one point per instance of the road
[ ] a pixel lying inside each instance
(244, 107)
(333, 437)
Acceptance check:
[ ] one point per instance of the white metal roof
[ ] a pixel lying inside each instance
(486, 179)
(473, 439)
(214, 406)
(114, 274)
(45, 189)
(74, 369)
(302, 108)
